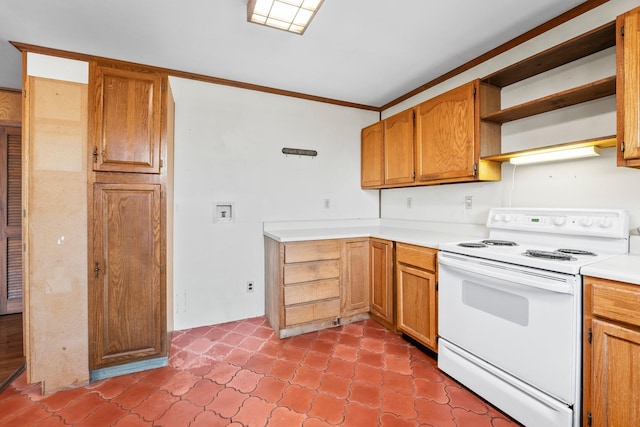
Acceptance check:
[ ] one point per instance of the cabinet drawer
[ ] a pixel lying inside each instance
(305, 313)
(311, 271)
(417, 256)
(311, 251)
(314, 291)
(616, 301)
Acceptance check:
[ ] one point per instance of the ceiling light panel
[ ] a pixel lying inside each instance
(289, 15)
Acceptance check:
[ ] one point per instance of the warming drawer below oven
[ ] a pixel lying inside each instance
(524, 403)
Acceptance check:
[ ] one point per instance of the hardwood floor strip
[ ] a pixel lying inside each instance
(12, 361)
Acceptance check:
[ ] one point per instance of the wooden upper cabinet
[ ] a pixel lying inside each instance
(387, 152)
(628, 88)
(126, 119)
(446, 140)
(398, 148)
(451, 138)
(372, 156)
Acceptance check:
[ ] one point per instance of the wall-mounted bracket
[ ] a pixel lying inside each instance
(300, 152)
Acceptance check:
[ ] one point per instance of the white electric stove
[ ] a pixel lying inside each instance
(510, 308)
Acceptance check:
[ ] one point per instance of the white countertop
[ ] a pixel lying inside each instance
(623, 268)
(421, 233)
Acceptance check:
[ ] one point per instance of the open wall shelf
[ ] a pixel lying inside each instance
(586, 44)
(577, 95)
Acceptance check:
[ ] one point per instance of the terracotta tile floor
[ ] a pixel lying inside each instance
(239, 374)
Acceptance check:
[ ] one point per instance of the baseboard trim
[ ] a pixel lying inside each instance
(129, 368)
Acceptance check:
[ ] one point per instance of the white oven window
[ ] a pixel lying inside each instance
(505, 305)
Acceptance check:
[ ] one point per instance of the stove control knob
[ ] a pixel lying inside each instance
(604, 222)
(586, 222)
(497, 218)
(559, 220)
(507, 218)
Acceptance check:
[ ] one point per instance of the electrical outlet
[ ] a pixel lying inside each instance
(249, 286)
(327, 203)
(409, 202)
(468, 202)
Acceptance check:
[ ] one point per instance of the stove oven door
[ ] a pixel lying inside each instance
(520, 322)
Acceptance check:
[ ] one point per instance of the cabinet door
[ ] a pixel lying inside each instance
(381, 291)
(398, 148)
(417, 308)
(628, 88)
(615, 380)
(445, 136)
(127, 120)
(127, 316)
(372, 156)
(355, 277)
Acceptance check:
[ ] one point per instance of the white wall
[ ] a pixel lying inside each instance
(228, 144)
(588, 183)
(228, 149)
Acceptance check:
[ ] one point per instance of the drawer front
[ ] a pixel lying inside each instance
(417, 256)
(314, 291)
(311, 271)
(306, 313)
(617, 301)
(311, 251)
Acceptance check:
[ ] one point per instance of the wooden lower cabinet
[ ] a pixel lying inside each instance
(417, 307)
(355, 287)
(381, 282)
(127, 296)
(312, 285)
(611, 382)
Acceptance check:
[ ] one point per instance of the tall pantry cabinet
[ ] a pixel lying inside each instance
(129, 189)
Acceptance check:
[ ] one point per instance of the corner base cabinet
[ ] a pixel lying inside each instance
(417, 311)
(381, 283)
(312, 285)
(611, 353)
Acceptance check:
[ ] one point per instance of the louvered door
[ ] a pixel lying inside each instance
(10, 220)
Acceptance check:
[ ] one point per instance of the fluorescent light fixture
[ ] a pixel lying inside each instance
(288, 15)
(551, 156)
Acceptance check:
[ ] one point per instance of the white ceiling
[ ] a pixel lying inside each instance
(367, 52)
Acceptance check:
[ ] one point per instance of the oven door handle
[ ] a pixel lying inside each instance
(558, 286)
